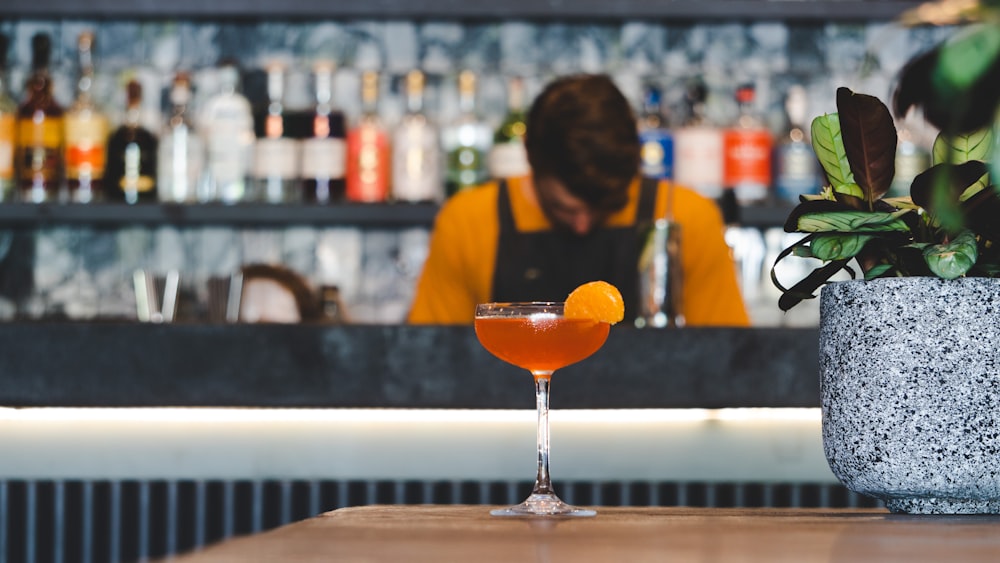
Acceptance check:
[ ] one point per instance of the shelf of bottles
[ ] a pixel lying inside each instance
(234, 159)
(234, 162)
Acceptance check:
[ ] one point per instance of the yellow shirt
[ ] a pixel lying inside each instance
(458, 273)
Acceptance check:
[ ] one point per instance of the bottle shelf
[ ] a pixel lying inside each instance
(367, 215)
(387, 215)
(779, 10)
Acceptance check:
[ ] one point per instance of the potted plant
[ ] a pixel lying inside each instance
(909, 355)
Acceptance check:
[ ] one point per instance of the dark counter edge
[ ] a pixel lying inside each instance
(128, 364)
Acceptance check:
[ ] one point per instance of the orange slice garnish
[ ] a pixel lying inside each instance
(597, 300)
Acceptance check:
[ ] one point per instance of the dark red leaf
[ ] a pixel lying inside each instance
(869, 135)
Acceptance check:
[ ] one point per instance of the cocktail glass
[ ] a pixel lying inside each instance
(537, 336)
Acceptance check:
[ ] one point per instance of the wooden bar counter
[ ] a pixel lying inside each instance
(639, 534)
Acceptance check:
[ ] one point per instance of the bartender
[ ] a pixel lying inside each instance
(573, 219)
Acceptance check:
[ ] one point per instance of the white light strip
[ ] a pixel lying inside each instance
(225, 415)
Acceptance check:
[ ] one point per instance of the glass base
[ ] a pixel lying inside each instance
(543, 505)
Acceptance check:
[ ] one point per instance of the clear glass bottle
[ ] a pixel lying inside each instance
(466, 141)
(276, 155)
(747, 148)
(324, 153)
(911, 158)
(8, 129)
(40, 131)
(657, 160)
(181, 157)
(368, 152)
(86, 132)
(508, 158)
(416, 155)
(698, 146)
(796, 169)
(227, 127)
(132, 151)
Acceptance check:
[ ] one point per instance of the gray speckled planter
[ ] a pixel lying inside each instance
(910, 387)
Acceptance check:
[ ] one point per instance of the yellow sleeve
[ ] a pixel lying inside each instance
(458, 272)
(711, 293)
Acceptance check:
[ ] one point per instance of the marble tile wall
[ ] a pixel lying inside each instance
(86, 273)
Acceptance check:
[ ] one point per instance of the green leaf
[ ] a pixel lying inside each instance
(877, 271)
(851, 189)
(953, 259)
(829, 148)
(963, 148)
(852, 222)
(966, 56)
(869, 136)
(838, 247)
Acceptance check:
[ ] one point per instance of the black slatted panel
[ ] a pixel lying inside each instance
(125, 521)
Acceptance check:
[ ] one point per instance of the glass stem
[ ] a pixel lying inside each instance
(543, 485)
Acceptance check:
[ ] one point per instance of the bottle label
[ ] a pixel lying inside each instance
(657, 154)
(465, 168)
(747, 163)
(7, 128)
(134, 180)
(508, 160)
(85, 151)
(796, 173)
(276, 158)
(323, 158)
(416, 164)
(41, 150)
(367, 165)
(698, 160)
(180, 161)
(228, 159)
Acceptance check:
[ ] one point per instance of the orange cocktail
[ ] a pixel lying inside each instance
(541, 343)
(539, 337)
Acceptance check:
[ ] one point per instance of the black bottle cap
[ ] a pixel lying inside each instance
(696, 92)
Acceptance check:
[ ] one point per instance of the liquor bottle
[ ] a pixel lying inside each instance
(368, 148)
(132, 151)
(508, 158)
(181, 158)
(747, 147)
(86, 132)
(276, 156)
(466, 141)
(226, 124)
(796, 169)
(654, 137)
(40, 130)
(416, 155)
(698, 146)
(324, 153)
(8, 128)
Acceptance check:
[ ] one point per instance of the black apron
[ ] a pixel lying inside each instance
(548, 265)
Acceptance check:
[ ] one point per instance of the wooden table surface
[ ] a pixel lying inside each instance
(448, 533)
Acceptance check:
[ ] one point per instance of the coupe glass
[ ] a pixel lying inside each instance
(537, 337)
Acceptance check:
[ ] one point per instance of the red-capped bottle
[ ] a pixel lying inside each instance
(747, 150)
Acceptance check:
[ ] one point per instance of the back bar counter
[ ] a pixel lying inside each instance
(408, 367)
(148, 401)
